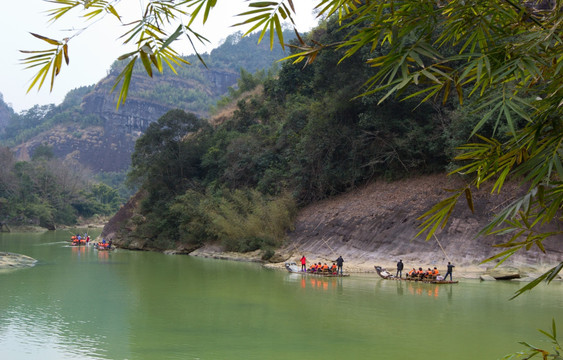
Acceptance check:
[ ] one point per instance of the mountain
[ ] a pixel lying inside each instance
(88, 129)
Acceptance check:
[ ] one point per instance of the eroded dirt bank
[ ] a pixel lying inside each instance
(377, 225)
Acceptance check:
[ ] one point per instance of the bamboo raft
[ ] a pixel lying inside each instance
(388, 276)
(295, 269)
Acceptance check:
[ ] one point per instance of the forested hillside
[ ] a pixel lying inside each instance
(88, 128)
(293, 140)
(69, 161)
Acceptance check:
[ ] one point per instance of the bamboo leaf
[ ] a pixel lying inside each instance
(65, 52)
(50, 41)
(469, 199)
(146, 62)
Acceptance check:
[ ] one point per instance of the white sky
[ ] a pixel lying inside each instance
(92, 52)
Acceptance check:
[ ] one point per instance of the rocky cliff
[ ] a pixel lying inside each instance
(108, 146)
(101, 137)
(377, 224)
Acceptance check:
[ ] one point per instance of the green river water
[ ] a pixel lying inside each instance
(78, 303)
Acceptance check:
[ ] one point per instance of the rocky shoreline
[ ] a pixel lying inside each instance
(15, 261)
(486, 272)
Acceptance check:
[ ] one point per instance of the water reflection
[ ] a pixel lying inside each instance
(414, 288)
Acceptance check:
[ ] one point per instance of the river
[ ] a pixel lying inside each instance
(78, 303)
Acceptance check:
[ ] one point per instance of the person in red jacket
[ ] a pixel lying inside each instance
(303, 263)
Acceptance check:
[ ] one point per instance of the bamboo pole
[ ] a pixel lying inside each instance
(435, 237)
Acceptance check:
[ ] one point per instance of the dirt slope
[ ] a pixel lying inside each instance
(376, 225)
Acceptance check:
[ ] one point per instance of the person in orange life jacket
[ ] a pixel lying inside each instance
(325, 268)
(400, 267)
(303, 263)
(435, 272)
(429, 273)
(412, 273)
(333, 268)
(420, 273)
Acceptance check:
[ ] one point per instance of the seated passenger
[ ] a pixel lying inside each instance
(435, 272)
(420, 273)
(333, 268)
(412, 273)
(325, 268)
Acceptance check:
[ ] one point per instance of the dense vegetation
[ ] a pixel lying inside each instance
(189, 89)
(295, 139)
(46, 192)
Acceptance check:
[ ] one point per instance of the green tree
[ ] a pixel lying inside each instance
(43, 151)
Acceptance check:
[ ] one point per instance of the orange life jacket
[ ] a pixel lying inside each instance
(435, 272)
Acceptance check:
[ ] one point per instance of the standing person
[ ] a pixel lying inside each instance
(339, 263)
(450, 270)
(303, 263)
(400, 266)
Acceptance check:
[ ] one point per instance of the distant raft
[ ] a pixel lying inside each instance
(103, 246)
(388, 276)
(296, 269)
(75, 241)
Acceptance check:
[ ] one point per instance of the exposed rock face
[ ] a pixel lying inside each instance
(108, 147)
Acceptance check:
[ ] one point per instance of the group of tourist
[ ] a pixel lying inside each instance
(323, 268)
(80, 240)
(104, 245)
(432, 274)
